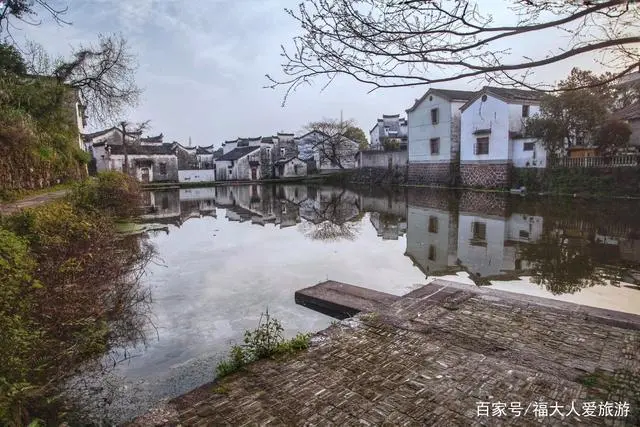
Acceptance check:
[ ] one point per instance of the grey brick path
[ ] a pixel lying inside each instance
(431, 357)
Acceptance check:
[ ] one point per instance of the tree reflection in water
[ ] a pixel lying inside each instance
(333, 215)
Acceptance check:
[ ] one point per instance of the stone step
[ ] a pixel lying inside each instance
(341, 300)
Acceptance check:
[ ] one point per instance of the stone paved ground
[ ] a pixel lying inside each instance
(430, 358)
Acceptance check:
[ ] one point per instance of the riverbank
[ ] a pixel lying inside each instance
(429, 358)
(70, 294)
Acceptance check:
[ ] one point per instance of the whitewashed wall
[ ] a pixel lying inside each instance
(516, 121)
(487, 260)
(420, 239)
(380, 159)
(196, 175)
(492, 114)
(421, 130)
(532, 159)
(205, 193)
(374, 135)
(524, 228)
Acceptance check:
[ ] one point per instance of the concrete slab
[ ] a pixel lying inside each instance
(341, 300)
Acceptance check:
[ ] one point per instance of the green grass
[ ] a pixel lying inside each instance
(266, 341)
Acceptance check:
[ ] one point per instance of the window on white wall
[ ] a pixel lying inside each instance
(528, 146)
(525, 111)
(435, 116)
(481, 146)
(434, 144)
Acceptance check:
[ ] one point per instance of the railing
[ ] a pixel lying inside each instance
(626, 160)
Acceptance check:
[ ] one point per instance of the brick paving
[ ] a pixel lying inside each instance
(431, 357)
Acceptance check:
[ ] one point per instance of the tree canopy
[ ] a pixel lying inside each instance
(356, 134)
(397, 43)
(332, 142)
(11, 61)
(580, 114)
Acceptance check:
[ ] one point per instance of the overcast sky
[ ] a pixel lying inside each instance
(203, 65)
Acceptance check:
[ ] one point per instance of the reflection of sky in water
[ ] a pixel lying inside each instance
(217, 276)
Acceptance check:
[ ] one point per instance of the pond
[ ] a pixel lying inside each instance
(229, 253)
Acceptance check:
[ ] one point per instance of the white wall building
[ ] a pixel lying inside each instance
(434, 135)
(389, 126)
(492, 126)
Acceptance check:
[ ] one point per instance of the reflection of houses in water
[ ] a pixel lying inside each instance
(432, 239)
(488, 245)
(388, 226)
(177, 206)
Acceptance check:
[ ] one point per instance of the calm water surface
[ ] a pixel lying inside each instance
(229, 253)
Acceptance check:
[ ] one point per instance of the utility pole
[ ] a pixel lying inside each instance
(125, 166)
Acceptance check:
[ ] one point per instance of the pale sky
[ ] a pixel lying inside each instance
(203, 65)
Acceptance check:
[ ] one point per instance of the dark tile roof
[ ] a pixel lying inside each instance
(269, 139)
(238, 153)
(218, 153)
(157, 138)
(506, 94)
(448, 94)
(630, 112)
(203, 150)
(137, 149)
(90, 136)
(514, 94)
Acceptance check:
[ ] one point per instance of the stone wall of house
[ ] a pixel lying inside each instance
(378, 176)
(432, 198)
(485, 175)
(484, 203)
(431, 173)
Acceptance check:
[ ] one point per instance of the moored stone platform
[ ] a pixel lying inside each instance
(442, 355)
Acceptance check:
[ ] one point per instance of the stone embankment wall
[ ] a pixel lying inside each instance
(485, 175)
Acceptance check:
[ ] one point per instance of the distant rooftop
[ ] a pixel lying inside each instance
(238, 153)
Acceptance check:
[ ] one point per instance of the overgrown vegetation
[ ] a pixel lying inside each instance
(591, 182)
(265, 341)
(69, 292)
(583, 117)
(39, 139)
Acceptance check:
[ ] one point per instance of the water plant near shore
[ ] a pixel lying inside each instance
(265, 341)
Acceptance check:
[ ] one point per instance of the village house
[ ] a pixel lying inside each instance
(240, 161)
(491, 137)
(434, 136)
(389, 127)
(148, 163)
(149, 158)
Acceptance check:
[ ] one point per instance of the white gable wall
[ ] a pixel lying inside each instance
(491, 114)
(421, 130)
(516, 121)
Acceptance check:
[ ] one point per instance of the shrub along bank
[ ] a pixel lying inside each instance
(596, 182)
(69, 292)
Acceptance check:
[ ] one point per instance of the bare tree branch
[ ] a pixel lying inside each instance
(28, 11)
(399, 43)
(105, 77)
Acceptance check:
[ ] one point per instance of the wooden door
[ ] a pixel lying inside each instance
(254, 174)
(145, 174)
